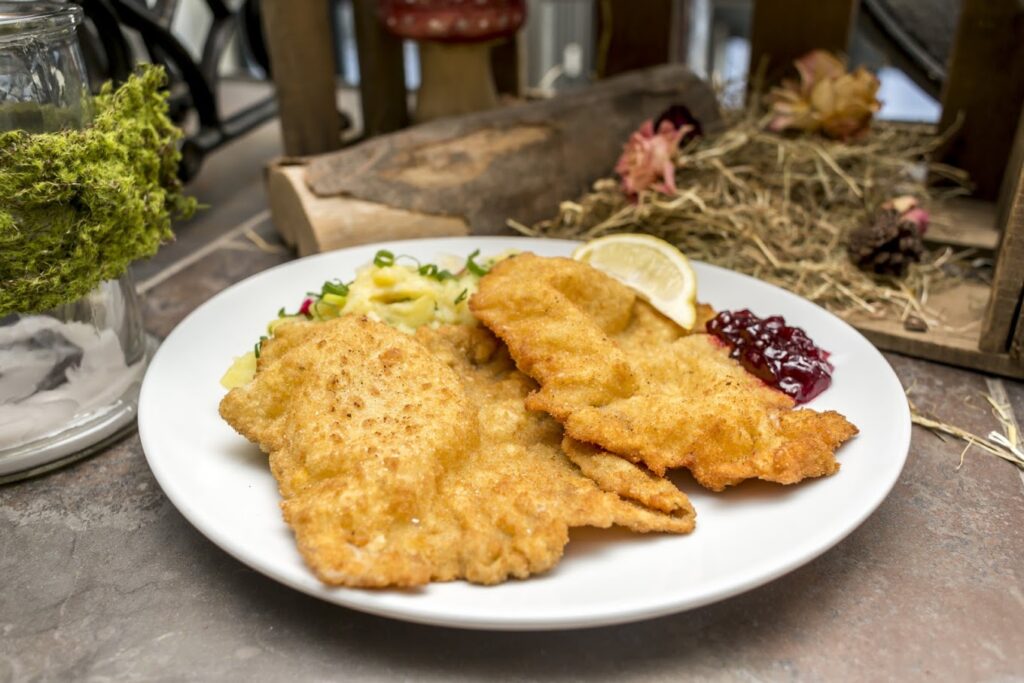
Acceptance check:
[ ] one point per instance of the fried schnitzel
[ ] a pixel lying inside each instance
(619, 375)
(492, 382)
(405, 460)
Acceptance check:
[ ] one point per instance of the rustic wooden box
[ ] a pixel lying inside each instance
(984, 93)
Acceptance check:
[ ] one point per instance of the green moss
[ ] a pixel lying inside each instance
(78, 206)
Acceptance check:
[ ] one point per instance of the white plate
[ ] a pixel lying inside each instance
(745, 537)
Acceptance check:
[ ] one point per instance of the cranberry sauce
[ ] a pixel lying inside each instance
(781, 356)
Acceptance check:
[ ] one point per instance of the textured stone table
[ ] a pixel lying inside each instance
(104, 580)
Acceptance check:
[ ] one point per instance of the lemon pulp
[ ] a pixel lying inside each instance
(656, 270)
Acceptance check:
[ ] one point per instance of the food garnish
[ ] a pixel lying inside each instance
(780, 355)
(395, 289)
(656, 270)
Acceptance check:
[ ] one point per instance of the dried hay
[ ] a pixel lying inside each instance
(780, 208)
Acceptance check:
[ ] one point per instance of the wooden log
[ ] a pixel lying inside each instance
(784, 30)
(1001, 316)
(516, 162)
(315, 224)
(300, 46)
(984, 85)
(381, 72)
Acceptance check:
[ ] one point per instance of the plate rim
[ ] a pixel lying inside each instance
(423, 613)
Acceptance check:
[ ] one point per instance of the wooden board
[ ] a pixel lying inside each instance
(381, 72)
(509, 65)
(1017, 343)
(632, 35)
(1001, 317)
(784, 30)
(301, 51)
(964, 222)
(515, 162)
(963, 309)
(984, 85)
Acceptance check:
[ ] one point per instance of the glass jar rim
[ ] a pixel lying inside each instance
(20, 20)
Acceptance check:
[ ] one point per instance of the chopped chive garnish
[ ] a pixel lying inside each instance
(384, 258)
(462, 296)
(474, 267)
(337, 287)
(432, 271)
(259, 345)
(281, 313)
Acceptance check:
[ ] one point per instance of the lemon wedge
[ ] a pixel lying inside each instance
(656, 270)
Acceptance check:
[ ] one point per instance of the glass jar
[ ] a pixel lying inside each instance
(69, 377)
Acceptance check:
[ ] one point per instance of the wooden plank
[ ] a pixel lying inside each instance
(784, 30)
(300, 46)
(956, 342)
(1008, 281)
(632, 35)
(1017, 343)
(894, 339)
(964, 222)
(381, 72)
(508, 66)
(985, 85)
(516, 162)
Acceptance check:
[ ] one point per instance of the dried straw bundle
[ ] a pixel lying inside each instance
(780, 208)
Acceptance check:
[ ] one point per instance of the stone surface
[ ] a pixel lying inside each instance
(104, 580)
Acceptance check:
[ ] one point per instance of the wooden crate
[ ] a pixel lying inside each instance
(984, 90)
(983, 95)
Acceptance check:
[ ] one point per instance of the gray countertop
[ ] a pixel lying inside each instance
(105, 580)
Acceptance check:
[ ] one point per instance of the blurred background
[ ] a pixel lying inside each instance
(217, 53)
(223, 93)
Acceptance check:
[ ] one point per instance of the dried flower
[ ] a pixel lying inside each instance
(827, 98)
(679, 115)
(909, 210)
(648, 158)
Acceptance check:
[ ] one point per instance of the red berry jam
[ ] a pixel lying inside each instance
(781, 356)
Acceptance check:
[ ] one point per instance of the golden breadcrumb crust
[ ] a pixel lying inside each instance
(619, 375)
(405, 460)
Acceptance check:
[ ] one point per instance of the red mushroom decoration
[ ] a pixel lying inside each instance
(455, 38)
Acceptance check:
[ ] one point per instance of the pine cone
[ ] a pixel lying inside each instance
(889, 244)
